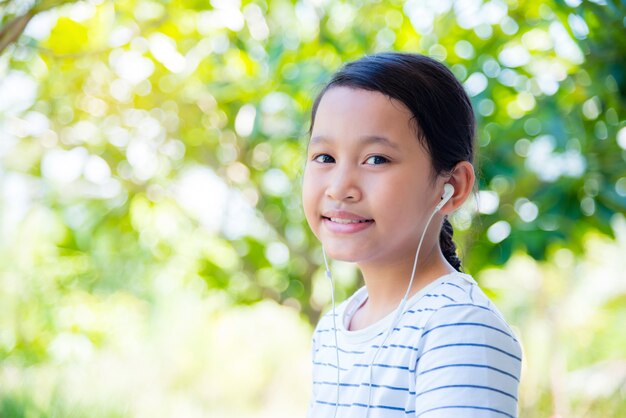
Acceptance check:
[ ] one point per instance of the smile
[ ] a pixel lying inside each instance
(349, 221)
(343, 226)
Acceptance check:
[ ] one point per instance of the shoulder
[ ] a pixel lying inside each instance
(469, 322)
(466, 302)
(468, 357)
(456, 290)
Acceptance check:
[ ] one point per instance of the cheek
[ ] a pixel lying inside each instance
(400, 199)
(310, 199)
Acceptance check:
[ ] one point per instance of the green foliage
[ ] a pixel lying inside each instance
(147, 141)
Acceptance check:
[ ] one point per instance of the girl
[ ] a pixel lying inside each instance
(390, 156)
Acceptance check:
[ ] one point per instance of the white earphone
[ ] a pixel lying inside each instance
(448, 192)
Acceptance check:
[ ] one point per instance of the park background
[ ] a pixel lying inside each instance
(154, 257)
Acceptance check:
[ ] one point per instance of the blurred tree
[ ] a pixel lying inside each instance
(138, 92)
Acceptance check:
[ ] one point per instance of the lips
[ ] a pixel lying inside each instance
(343, 216)
(342, 222)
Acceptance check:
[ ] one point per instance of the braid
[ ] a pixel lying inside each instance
(447, 244)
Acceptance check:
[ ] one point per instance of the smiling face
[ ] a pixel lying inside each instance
(366, 165)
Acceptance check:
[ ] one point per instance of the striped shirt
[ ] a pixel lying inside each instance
(451, 354)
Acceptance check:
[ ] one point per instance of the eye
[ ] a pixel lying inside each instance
(377, 160)
(323, 158)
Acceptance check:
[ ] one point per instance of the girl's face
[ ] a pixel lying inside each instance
(365, 162)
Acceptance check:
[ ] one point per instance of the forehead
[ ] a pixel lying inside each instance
(349, 113)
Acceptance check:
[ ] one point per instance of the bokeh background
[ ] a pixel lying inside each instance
(154, 257)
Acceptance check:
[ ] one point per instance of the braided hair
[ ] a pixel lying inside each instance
(443, 117)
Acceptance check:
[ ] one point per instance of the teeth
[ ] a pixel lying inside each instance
(346, 221)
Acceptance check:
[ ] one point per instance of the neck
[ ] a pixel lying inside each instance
(387, 282)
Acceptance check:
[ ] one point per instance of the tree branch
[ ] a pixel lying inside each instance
(12, 31)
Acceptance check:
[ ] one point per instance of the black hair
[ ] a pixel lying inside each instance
(443, 117)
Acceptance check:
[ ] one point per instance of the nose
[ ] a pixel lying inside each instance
(344, 185)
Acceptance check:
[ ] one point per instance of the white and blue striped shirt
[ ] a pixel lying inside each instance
(451, 354)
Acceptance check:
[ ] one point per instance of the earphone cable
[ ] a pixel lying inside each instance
(399, 311)
(332, 295)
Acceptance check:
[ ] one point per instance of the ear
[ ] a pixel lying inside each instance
(462, 179)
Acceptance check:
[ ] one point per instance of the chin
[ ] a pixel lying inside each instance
(342, 254)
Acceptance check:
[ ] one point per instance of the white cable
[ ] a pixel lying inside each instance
(399, 312)
(332, 295)
(449, 190)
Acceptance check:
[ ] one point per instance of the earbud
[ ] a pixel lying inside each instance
(448, 191)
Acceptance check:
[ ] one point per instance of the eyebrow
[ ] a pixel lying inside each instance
(365, 140)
